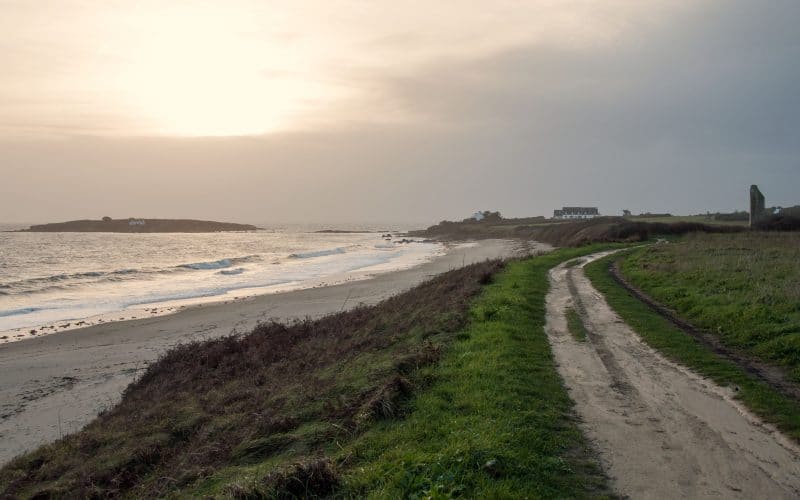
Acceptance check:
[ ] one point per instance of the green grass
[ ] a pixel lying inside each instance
(575, 325)
(496, 420)
(255, 414)
(761, 398)
(701, 219)
(744, 287)
(447, 390)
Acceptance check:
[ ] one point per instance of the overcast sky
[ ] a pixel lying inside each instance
(335, 111)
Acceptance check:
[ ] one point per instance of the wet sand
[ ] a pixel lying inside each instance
(54, 385)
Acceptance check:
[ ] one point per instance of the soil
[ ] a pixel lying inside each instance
(772, 375)
(660, 430)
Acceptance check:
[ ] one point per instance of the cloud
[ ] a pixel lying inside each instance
(722, 76)
(681, 113)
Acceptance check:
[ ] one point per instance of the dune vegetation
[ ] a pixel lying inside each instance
(213, 417)
(449, 389)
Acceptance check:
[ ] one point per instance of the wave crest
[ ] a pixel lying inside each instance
(317, 253)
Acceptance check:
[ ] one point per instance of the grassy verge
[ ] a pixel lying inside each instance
(575, 325)
(573, 233)
(496, 420)
(762, 399)
(700, 219)
(447, 390)
(256, 414)
(745, 288)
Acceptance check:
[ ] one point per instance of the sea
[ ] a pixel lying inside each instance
(51, 282)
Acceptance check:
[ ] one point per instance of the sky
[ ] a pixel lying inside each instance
(330, 111)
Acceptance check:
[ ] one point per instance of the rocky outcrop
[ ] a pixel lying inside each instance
(108, 225)
(757, 205)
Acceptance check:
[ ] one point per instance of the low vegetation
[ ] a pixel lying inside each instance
(496, 421)
(256, 414)
(735, 218)
(779, 222)
(447, 390)
(762, 398)
(745, 288)
(574, 233)
(575, 325)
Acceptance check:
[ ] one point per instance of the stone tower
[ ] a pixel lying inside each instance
(756, 205)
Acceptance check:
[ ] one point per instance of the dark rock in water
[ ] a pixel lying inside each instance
(108, 225)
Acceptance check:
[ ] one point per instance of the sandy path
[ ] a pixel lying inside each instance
(56, 384)
(661, 430)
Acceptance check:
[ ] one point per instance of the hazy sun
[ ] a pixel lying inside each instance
(203, 75)
(209, 68)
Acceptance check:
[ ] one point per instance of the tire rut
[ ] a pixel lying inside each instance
(615, 371)
(661, 431)
(773, 375)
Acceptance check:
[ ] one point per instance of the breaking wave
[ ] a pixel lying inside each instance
(215, 264)
(17, 312)
(317, 253)
(219, 264)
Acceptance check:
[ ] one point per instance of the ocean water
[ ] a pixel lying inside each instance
(51, 281)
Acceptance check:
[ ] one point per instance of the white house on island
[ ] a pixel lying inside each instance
(576, 213)
(136, 222)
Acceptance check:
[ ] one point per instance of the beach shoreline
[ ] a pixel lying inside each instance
(56, 384)
(145, 286)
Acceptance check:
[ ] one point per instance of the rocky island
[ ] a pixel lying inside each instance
(132, 225)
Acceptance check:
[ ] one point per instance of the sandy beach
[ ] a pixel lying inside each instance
(54, 385)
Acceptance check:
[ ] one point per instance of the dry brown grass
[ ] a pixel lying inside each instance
(281, 390)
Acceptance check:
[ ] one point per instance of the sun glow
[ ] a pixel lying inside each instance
(210, 79)
(240, 67)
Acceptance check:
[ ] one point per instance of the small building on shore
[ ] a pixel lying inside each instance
(135, 222)
(576, 213)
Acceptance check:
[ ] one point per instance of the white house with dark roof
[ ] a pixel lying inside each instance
(576, 213)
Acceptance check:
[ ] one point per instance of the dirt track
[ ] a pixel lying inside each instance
(661, 430)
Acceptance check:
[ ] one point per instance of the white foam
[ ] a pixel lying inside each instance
(217, 264)
(317, 253)
(336, 258)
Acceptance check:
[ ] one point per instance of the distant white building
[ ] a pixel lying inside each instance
(576, 213)
(478, 216)
(136, 222)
